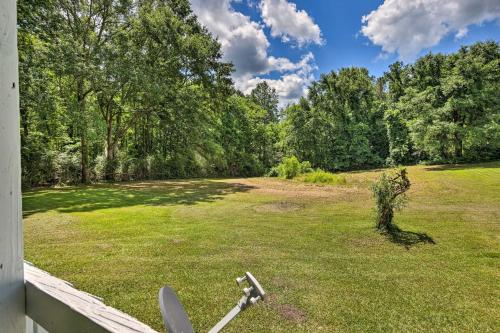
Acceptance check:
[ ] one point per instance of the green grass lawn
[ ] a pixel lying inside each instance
(313, 248)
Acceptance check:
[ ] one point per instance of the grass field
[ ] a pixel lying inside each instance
(313, 248)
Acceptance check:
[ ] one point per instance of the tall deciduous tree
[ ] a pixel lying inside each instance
(267, 98)
(340, 121)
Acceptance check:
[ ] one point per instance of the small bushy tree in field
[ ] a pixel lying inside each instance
(390, 194)
(291, 167)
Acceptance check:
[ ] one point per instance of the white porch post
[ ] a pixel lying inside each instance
(12, 309)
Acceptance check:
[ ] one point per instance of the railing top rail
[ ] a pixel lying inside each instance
(59, 307)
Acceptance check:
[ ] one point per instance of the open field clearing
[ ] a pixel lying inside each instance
(314, 249)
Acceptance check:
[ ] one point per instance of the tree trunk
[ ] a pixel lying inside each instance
(458, 146)
(110, 151)
(24, 124)
(83, 131)
(385, 218)
(458, 136)
(85, 158)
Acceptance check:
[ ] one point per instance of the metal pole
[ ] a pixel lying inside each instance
(230, 316)
(12, 317)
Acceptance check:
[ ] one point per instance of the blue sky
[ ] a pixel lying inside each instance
(289, 43)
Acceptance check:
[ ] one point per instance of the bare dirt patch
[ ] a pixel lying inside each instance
(278, 207)
(293, 189)
(287, 311)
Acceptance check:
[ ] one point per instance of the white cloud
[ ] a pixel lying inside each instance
(407, 27)
(289, 23)
(244, 43)
(289, 87)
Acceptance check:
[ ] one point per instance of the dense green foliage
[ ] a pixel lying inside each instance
(290, 167)
(133, 89)
(390, 194)
(337, 126)
(136, 89)
(449, 110)
(443, 108)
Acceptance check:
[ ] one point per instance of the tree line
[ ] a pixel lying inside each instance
(441, 109)
(137, 89)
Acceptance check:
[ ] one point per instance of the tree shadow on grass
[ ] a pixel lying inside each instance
(407, 238)
(456, 167)
(152, 193)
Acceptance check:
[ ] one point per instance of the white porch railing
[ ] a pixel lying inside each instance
(33, 327)
(54, 305)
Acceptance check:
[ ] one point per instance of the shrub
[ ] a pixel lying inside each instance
(100, 167)
(274, 172)
(305, 167)
(289, 168)
(38, 162)
(322, 177)
(390, 194)
(67, 162)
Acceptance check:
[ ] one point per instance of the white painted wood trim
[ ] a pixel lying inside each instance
(11, 237)
(33, 327)
(58, 307)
